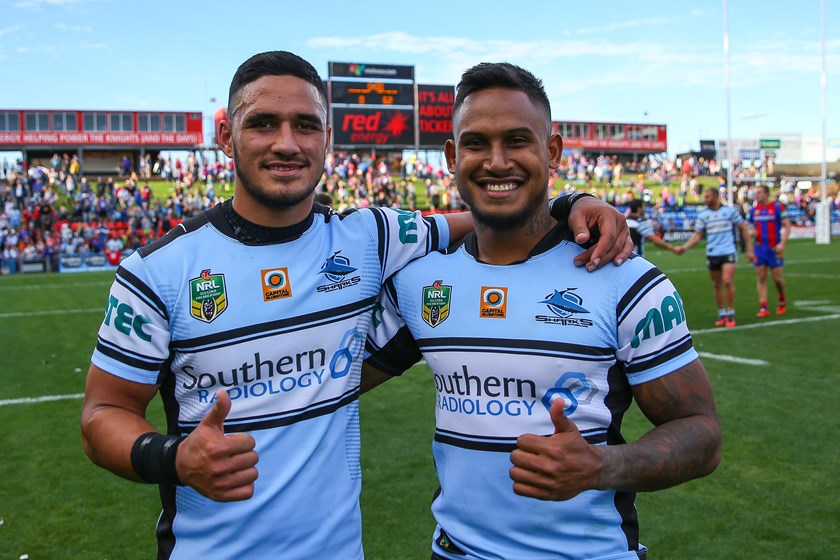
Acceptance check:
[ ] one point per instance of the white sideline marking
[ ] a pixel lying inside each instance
(733, 359)
(48, 398)
(745, 261)
(768, 324)
(53, 312)
(813, 275)
(39, 286)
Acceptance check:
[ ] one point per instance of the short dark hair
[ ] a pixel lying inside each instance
(488, 75)
(635, 205)
(273, 63)
(764, 186)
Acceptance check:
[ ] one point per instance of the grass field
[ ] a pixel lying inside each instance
(774, 495)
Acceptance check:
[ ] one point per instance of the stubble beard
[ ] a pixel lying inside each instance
(266, 197)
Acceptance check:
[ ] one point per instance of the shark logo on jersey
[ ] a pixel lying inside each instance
(564, 305)
(335, 269)
(436, 303)
(208, 298)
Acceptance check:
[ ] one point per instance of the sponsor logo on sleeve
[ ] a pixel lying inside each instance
(208, 298)
(125, 319)
(659, 320)
(436, 299)
(336, 269)
(276, 284)
(565, 307)
(493, 304)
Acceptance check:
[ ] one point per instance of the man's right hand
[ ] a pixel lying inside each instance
(221, 467)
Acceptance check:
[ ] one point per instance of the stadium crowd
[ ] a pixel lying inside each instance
(53, 209)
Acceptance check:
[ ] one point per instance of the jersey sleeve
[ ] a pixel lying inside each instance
(781, 211)
(133, 339)
(645, 229)
(390, 347)
(653, 336)
(737, 219)
(700, 223)
(404, 236)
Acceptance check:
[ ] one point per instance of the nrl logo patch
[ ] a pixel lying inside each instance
(208, 298)
(436, 303)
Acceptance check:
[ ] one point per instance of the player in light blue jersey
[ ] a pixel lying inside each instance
(250, 321)
(717, 224)
(535, 363)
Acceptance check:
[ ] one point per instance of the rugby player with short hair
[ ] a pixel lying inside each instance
(534, 362)
(641, 229)
(717, 222)
(772, 228)
(250, 321)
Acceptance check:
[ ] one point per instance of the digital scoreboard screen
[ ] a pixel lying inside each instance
(371, 93)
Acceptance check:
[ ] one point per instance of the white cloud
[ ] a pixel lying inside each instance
(39, 4)
(89, 46)
(9, 30)
(697, 12)
(81, 28)
(649, 22)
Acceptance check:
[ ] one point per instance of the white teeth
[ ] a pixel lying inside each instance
(500, 188)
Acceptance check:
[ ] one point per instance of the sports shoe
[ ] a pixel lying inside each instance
(782, 309)
(763, 312)
(720, 322)
(730, 322)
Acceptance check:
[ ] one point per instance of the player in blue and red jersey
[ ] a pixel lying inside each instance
(772, 227)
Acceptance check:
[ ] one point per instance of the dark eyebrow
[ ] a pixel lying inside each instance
(519, 130)
(307, 117)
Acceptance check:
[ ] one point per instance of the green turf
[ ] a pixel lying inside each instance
(774, 495)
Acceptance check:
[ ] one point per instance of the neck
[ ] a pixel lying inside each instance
(506, 246)
(260, 214)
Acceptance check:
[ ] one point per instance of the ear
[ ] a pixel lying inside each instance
(555, 150)
(329, 137)
(224, 136)
(449, 151)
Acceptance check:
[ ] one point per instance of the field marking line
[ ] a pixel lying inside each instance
(787, 263)
(53, 312)
(733, 359)
(813, 275)
(39, 286)
(47, 398)
(767, 324)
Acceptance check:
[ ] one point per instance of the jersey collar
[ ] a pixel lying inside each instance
(232, 224)
(554, 237)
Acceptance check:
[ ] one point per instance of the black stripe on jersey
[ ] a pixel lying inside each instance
(532, 347)
(636, 367)
(126, 359)
(141, 290)
(391, 293)
(271, 328)
(127, 352)
(497, 444)
(660, 350)
(434, 235)
(637, 291)
(286, 418)
(381, 236)
(165, 532)
(186, 226)
(399, 354)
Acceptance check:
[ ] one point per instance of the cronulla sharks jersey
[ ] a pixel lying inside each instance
(280, 326)
(502, 343)
(718, 226)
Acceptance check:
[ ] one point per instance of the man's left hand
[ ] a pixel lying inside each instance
(592, 215)
(779, 249)
(558, 467)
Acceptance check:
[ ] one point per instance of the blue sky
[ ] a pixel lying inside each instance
(600, 61)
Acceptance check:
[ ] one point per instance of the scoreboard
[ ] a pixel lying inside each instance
(371, 93)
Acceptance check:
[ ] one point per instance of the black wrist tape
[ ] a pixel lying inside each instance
(153, 458)
(561, 206)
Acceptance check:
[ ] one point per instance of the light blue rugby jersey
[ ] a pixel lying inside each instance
(718, 225)
(504, 341)
(281, 327)
(640, 230)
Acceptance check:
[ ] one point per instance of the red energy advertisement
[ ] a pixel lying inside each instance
(364, 126)
(434, 105)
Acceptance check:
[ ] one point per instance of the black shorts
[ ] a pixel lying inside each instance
(716, 263)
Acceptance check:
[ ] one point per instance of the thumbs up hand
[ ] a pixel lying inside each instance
(223, 468)
(556, 467)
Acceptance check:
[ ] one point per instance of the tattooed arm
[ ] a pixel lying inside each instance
(684, 444)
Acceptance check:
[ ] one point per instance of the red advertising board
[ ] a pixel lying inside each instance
(100, 138)
(365, 126)
(610, 144)
(434, 104)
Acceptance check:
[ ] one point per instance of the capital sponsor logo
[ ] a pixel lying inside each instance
(659, 320)
(263, 373)
(436, 303)
(125, 320)
(208, 296)
(493, 304)
(275, 284)
(336, 269)
(485, 395)
(564, 305)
